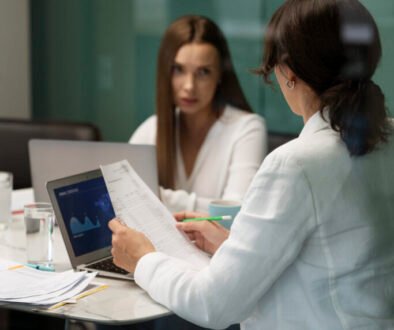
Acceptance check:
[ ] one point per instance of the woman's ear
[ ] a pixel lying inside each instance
(288, 73)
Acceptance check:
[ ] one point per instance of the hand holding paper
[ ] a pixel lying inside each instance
(141, 210)
(207, 235)
(128, 245)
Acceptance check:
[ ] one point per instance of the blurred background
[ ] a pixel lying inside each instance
(95, 60)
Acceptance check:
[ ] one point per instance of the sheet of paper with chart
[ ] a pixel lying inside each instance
(140, 209)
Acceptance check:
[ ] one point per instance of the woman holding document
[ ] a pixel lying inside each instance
(209, 143)
(312, 247)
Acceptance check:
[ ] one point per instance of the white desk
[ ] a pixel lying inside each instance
(122, 302)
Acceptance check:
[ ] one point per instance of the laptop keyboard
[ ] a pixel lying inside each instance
(108, 266)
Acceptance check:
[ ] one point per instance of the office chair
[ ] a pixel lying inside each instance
(276, 139)
(16, 133)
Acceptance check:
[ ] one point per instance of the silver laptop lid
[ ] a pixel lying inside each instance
(53, 159)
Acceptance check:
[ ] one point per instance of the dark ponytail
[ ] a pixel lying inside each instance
(334, 47)
(357, 111)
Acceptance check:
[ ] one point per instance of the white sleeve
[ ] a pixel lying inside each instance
(146, 132)
(181, 200)
(178, 200)
(265, 238)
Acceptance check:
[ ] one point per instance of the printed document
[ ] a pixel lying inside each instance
(22, 284)
(139, 208)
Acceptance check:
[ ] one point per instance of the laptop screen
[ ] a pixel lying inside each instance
(86, 209)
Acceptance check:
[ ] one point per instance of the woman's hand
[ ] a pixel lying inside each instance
(207, 235)
(128, 245)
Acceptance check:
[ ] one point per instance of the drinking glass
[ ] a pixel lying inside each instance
(39, 223)
(5, 199)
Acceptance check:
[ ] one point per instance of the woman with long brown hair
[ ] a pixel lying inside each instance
(209, 143)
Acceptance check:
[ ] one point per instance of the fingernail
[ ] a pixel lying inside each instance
(121, 222)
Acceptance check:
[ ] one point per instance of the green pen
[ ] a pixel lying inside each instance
(218, 218)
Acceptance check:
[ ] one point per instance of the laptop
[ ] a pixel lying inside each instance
(83, 208)
(52, 159)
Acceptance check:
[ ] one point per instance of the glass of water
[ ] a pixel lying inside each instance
(5, 199)
(39, 223)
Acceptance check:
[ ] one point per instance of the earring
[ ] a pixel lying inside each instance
(290, 84)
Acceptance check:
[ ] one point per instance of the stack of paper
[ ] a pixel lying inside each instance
(21, 284)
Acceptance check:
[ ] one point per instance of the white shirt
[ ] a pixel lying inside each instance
(225, 165)
(312, 247)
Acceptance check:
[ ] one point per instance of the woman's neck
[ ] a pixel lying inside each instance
(193, 130)
(308, 104)
(197, 123)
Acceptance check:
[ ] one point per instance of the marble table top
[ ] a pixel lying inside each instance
(123, 302)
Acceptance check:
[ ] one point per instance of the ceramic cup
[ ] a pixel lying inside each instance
(224, 207)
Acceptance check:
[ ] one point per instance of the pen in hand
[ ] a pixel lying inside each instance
(218, 218)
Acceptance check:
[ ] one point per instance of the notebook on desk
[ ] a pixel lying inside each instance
(83, 208)
(52, 159)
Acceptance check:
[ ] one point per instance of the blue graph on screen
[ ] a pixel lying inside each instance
(78, 227)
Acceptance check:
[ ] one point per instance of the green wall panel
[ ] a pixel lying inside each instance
(95, 60)
(145, 77)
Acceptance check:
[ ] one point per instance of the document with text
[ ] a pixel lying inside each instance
(139, 208)
(22, 284)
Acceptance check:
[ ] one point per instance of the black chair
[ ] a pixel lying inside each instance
(276, 139)
(16, 133)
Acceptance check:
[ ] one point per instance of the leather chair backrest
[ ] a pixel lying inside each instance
(16, 133)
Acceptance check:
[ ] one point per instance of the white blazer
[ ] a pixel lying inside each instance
(312, 248)
(228, 159)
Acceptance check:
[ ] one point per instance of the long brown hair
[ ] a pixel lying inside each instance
(184, 30)
(334, 47)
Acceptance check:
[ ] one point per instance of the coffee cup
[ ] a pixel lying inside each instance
(224, 207)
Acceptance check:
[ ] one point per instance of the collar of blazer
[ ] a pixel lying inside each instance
(317, 122)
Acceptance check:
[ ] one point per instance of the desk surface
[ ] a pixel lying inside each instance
(123, 302)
